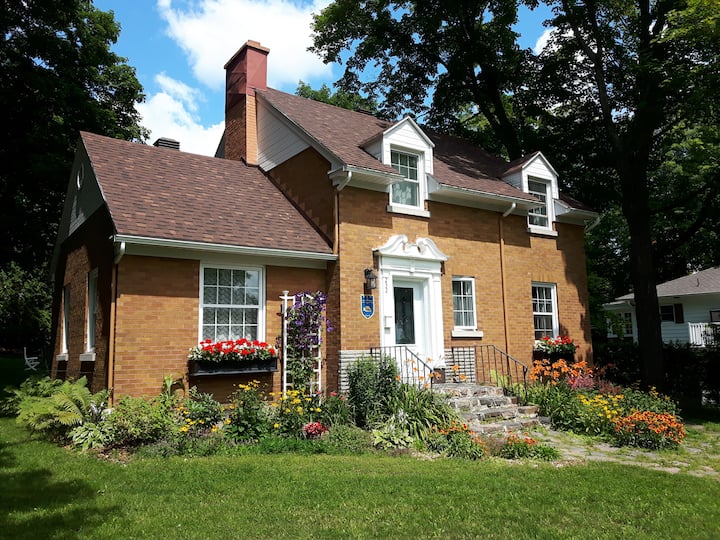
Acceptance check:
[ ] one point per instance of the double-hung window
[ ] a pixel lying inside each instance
(544, 306)
(406, 192)
(539, 216)
(231, 303)
(463, 294)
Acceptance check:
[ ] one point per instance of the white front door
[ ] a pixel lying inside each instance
(410, 328)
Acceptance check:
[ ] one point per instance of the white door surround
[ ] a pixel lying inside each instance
(412, 268)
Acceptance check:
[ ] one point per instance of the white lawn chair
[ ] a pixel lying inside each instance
(31, 362)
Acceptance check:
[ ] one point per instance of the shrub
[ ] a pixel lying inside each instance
(248, 417)
(652, 400)
(34, 386)
(292, 411)
(392, 433)
(90, 435)
(455, 440)
(598, 411)
(70, 404)
(336, 411)
(348, 439)
(372, 383)
(421, 409)
(525, 447)
(199, 413)
(647, 429)
(278, 444)
(557, 402)
(136, 421)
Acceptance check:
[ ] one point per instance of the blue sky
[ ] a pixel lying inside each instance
(179, 48)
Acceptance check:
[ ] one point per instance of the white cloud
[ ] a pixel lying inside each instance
(211, 31)
(542, 41)
(172, 113)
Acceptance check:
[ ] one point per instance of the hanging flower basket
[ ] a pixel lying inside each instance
(232, 357)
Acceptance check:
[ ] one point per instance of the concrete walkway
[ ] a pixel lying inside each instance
(695, 458)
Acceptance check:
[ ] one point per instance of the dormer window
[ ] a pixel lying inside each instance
(406, 192)
(539, 217)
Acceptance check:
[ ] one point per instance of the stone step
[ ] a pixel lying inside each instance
(467, 389)
(506, 426)
(484, 402)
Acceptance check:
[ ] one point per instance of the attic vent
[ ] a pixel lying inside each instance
(164, 142)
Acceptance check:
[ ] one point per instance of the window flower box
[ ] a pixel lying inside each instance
(232, 357)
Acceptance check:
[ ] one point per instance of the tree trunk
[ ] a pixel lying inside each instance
(633, 178)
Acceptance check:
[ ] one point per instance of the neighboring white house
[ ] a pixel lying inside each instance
(689, 309)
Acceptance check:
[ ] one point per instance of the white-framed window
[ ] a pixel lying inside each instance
(92, 304)
(627, 324)
(66, 318)
(544, 306)
(463, 295)
(231, 303)
(540, 216)
(408, 191)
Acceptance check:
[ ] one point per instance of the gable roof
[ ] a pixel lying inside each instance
(343, 133)
(166, 194)
(703, 282)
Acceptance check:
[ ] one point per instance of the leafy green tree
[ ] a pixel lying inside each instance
(346, 100)
(57, 77)
(617, 77)
(24, 309)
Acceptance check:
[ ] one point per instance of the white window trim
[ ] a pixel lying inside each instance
(261, 295)
(66, 319)
(465, 328)
(553, 297)
(549, 207)
(408, 209)
(91, 313)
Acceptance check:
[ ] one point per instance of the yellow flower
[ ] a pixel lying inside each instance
(299, 410)
(276, 425)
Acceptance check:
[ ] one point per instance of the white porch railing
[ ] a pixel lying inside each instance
(703, 334)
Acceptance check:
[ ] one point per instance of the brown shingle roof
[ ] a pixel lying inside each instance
(457, 163)
(339, 130)
(462, 164)
(168, 194)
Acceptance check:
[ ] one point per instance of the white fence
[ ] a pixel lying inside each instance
(704, 334)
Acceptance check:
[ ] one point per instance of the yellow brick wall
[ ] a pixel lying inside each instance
(471, 239)
(157, 323)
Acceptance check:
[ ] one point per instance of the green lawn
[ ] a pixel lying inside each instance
(51, 492)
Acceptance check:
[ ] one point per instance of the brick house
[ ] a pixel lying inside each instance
(467, 249)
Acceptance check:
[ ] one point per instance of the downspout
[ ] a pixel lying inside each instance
(502, 274)
(594, 224)
(119, 252)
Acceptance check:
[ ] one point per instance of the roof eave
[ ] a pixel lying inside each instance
(223, 248)
(458, 195)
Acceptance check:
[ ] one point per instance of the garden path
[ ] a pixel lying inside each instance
(698, 456)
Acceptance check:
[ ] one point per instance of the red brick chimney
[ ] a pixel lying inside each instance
(245, 72)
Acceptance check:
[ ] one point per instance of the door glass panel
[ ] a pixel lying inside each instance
(404, 316)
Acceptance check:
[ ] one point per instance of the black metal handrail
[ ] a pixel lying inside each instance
(411, 368)
(495, 366)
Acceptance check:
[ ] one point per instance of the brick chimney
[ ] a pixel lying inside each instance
(245, 72)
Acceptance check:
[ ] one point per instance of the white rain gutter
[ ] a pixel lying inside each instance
(221, 248)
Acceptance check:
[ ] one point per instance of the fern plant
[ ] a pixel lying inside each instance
(70, 405)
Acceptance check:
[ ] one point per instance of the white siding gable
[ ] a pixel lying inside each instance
(407, 135)
(276, 143)
(538, 167)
